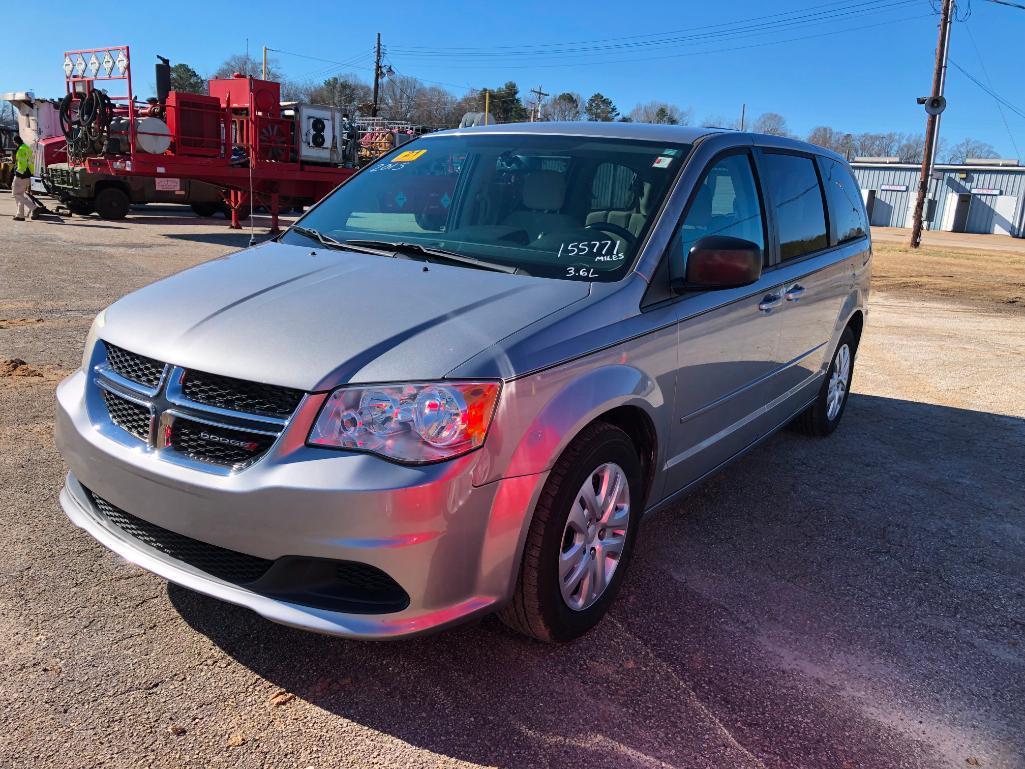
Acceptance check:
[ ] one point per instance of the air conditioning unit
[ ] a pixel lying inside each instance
(317, 126)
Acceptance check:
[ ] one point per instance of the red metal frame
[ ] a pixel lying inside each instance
(269, 142)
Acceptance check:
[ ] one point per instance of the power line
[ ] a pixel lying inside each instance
(989, 80)
(703, 52)
(733, 31)
(1015, 109)
(1004, 2)
(530, 48)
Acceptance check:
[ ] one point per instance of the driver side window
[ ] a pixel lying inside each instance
(726, 203)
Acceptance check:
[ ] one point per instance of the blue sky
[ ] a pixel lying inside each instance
(857, 66)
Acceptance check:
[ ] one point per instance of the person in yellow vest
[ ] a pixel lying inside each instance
(21, 184)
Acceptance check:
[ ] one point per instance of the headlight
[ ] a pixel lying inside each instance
(414, 423)
(91, 337)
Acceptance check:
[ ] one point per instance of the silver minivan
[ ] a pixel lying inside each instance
(459, 382)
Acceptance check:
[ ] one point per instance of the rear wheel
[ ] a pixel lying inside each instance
(111, 203)
(823, 416)
(580, 539)
(205, 209)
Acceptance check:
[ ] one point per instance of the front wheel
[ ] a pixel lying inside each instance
(111, 203)
(580, 539)
(823, 415)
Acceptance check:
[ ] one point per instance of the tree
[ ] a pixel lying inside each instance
(771, 123)
(970, 148)
(600, 108)
(718, 121)
(245, 64)
(186, 80)
(565, 106)
(660, 112)
(830, 138)
(911, 148)
(346, 92)
(505, 104)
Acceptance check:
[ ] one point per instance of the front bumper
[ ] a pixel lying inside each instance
(453, 547)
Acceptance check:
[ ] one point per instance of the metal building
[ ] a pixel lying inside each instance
(986, 196)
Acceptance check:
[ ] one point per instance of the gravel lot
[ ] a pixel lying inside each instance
(855, 602)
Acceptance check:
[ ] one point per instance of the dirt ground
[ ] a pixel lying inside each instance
(989, 275)
(850, 603)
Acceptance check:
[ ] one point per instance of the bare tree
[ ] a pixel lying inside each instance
(911, 148)
(719, 121)
(771, 123)
(346, 92)
(660, 112)
(970, 148)
(245, 64)
(565, 106)
(292, 90)
(830, 138)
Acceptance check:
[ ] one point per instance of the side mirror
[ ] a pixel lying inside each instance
(718, 261)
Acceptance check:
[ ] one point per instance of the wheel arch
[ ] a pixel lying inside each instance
(620, 394)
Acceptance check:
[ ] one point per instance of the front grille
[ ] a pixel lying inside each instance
(219, 446)
(137, 368)
(239, 395)
(222, 563)
(345, 586)
(129, 416)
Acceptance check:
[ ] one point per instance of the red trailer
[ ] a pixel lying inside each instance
(238, 137)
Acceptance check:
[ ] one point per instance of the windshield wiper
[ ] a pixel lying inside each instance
(327, 240)
(435, 253)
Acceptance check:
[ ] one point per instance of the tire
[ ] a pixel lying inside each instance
(824, 414)
(539, 608)
(80, 207)
(243, 213)
(111, 203)
(205, 209)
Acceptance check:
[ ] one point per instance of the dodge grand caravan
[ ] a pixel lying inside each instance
(456, 384)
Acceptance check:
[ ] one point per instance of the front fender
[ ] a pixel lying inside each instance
(540, 414)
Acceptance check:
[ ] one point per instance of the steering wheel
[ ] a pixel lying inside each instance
(613, 229)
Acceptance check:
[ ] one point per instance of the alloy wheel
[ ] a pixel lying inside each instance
(594, 537)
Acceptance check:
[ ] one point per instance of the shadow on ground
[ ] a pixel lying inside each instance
(822, 603)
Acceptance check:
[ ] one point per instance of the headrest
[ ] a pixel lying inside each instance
(544, 190)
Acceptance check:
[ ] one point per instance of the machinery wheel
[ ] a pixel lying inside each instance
(111, 203)
(243, 213)
(205, 209)
(80, 207)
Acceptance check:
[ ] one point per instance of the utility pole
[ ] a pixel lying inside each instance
(743, 109)
(932, 122)
(540, 95)
(265, 62)
(377, 74)
(487, 105)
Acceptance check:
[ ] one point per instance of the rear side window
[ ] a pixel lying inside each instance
(845, 205)
(794, 186)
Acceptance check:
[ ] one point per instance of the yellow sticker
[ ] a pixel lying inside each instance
(407, 156)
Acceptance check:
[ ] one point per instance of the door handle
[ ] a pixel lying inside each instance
(769, 301)
(795, 292)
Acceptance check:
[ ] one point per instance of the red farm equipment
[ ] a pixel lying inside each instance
(239, 138)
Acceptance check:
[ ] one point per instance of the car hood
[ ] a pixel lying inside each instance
(295, 317)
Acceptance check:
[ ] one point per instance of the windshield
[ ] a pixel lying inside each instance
(568, 207)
